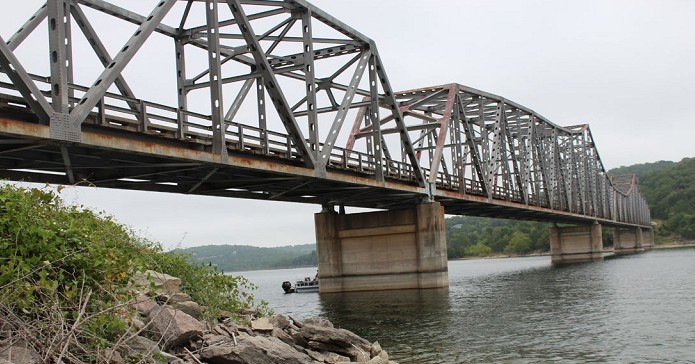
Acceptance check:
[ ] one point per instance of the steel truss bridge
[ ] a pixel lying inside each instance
(278, 100)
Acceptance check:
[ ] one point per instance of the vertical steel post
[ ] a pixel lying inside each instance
(374, 118)
(57, 41)
(310, 84)
(181, 92)
(219, 145)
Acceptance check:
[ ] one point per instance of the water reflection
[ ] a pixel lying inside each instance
(414, 312)
(523, 310)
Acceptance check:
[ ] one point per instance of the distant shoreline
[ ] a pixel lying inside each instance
(688, 244)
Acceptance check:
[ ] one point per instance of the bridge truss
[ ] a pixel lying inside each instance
(265, 93)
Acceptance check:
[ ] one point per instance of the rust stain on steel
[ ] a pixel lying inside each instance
(105, 141)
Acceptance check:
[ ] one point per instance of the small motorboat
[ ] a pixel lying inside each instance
(302, 286)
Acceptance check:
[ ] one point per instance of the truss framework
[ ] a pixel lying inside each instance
(310, 73)
(478, 143)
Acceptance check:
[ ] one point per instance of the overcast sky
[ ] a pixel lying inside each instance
(624, 67)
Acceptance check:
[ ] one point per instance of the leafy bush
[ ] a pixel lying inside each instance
(208, 286)
(64, 274)
(478, 250)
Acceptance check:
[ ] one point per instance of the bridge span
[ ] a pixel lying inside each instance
(287, 103)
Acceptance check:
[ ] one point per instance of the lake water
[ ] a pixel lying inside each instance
(632, 309)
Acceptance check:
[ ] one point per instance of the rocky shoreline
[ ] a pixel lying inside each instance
(166, 328)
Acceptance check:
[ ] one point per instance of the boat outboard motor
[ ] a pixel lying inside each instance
(287, 286)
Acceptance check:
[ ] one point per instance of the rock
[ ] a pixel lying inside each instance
(327, 357)
(299, 339)
(175, 327)
(19, 353)
(334, 358)
(143, 345)
(262, 324)
(354, 353)
(163, 283)
(255, 350)
(280, 321)
(340, 341)
(190, 307)
(318, 322)
(170, 299)
(285, 337)
(375, 349)
(212, 339)
(143, 304)
(319, 357)
(377, 360)
(384, 355)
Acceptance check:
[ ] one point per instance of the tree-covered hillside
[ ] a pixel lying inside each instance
(478, 236)
(641, 170)
(234, 258)
(670, 193)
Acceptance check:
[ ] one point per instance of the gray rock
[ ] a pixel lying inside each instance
(318, 322)
(375, 349)
(343, 339)
(255, 350)
(19, 353)
(377, 360)
(299, 339)
(285, 337)
(143, 345)
(190, 307)
(280, 321)
(212, 339)
(143, 304)
(170, 299)
(175, 327)
(333, 358)
(262, 324)
(163, 283)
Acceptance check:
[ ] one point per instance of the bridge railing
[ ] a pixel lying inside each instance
(137, 115)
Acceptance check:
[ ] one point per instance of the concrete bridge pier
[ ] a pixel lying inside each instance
(632, 240)
(627, 240)
(647, 238)
(576, 243)
(384, 250)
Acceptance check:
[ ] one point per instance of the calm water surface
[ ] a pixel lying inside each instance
(634, 309)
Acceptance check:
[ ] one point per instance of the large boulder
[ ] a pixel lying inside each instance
(341, 341)
(174, 327)
(255, 350)
(190, 307)
(159, 283)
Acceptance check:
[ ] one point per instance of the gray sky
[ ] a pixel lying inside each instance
(623, 67)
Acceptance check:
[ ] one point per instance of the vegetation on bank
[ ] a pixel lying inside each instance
(670, 193)
(65, 273)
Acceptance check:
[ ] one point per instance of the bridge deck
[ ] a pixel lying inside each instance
(116, 153)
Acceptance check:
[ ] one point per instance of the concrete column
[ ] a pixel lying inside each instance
(648, 238)
(627, 240)
(576, 243)
(383, 250)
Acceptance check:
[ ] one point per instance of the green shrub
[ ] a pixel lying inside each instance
(64, 274)
(208, 286)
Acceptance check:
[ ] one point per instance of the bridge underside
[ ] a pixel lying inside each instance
(111, 157)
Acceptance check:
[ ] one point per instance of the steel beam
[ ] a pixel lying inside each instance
(120, 61)
(271, 85)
